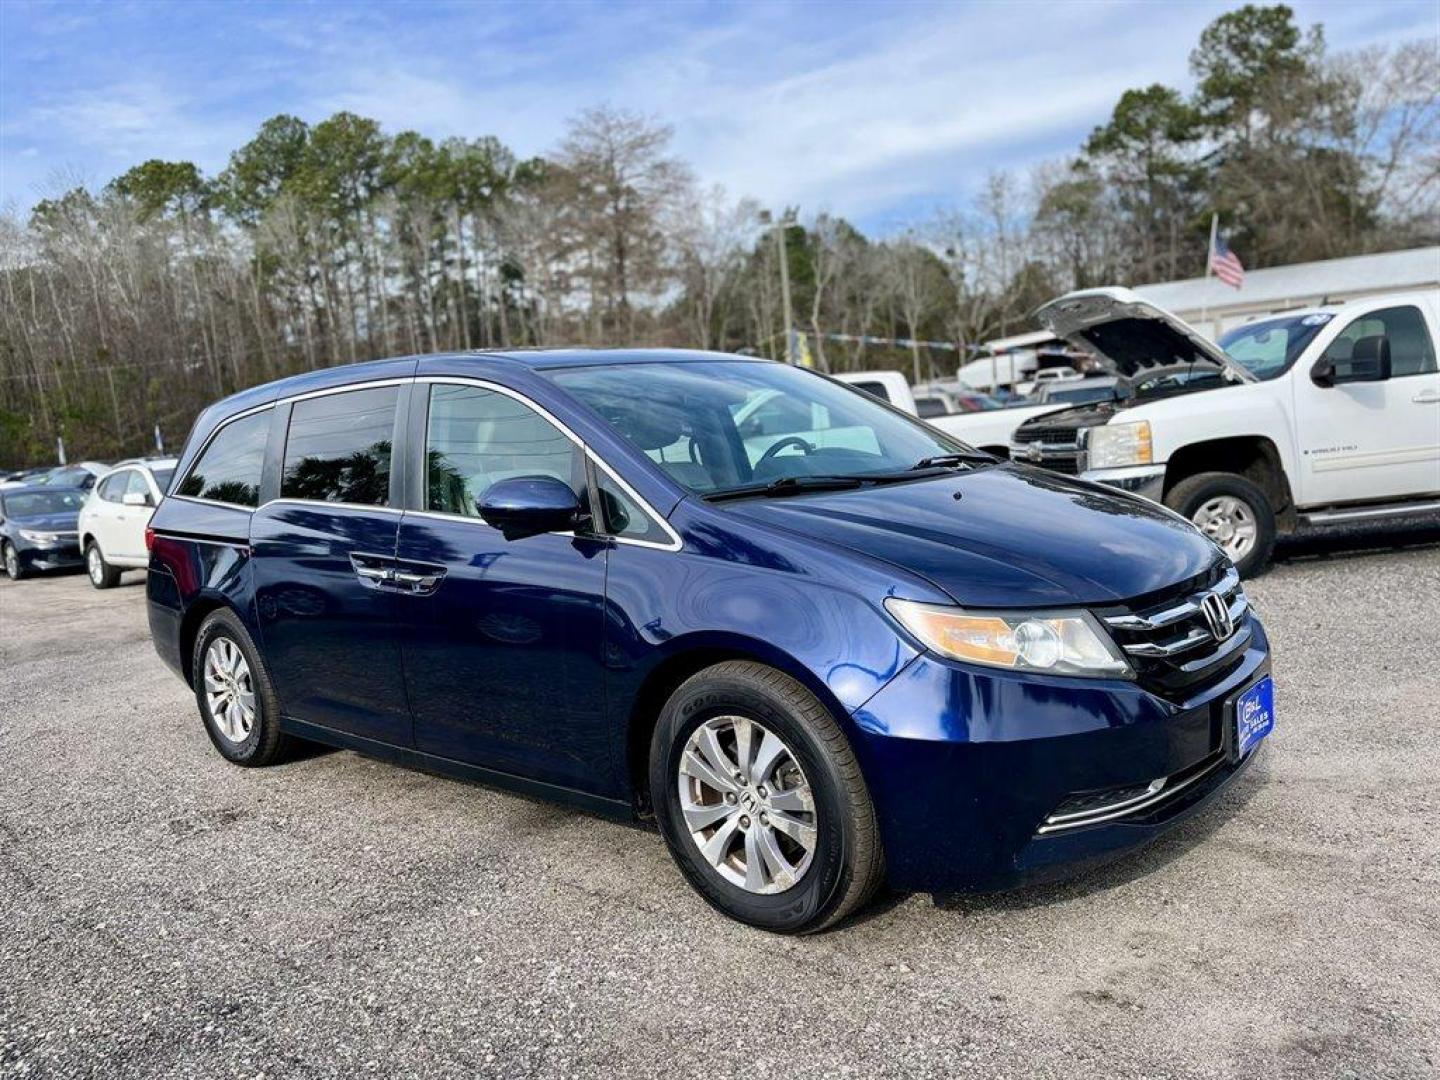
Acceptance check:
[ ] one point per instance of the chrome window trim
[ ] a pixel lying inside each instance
(240, 545)
(290, 500)
(213, 502)
(367, 385)
(674, 543)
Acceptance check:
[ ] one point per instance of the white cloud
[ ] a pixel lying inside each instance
(861, 110)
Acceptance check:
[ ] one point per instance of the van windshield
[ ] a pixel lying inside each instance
(716, 426)
(1266, 349)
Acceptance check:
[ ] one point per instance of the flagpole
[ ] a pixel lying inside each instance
(1209, 254)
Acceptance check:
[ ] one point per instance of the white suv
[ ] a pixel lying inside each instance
(113, 519)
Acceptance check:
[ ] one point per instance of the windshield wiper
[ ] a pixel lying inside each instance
(960, 457)
(788, 485)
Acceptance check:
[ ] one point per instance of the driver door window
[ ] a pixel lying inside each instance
(1411, 350)
(477, 436)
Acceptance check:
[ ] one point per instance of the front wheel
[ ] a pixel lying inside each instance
(1231, 511)
(102, 574)
(13, 570)
(761, 800)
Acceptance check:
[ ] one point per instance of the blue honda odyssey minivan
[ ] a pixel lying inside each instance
(824, 645)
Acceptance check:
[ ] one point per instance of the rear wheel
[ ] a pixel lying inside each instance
(102, 574)
(13, 570)
(761, 800)
(1231, 511)
(233, 689)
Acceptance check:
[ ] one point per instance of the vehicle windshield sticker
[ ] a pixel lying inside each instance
(1318, 319)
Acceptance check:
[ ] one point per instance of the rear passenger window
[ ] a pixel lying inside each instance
(229, 469)
(338, 449)
(137, 485)
(112, 488)
(475, 437)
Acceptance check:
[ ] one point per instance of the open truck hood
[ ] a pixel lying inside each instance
(1131, 334)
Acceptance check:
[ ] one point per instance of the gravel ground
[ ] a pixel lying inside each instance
(163, 913)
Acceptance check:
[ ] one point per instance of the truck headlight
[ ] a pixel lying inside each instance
(1113, 446)
(1053, 642)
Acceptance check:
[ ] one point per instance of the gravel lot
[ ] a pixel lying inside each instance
(164, 913)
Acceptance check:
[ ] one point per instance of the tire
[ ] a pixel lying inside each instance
(1194, 497)
(102, 575)
(254, 740)
(14, 569)
(809, 888)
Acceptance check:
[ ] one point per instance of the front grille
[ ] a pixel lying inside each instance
(1170, 639)
(1052, 446)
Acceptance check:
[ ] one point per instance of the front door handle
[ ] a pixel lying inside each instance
(1427, 397)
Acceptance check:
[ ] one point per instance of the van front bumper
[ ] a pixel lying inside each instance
(988, 779)
(1146, 480)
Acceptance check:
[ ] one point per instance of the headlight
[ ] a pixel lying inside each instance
(1054, 642)
(38, 537)
(1113, 446)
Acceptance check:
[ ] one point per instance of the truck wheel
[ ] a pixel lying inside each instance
(761, 800)
(1231, 511)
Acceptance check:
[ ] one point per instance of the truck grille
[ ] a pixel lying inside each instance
(1053, 446)
(1186, 637)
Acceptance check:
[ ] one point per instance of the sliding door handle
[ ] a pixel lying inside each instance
(417, 582)
(1427, 397)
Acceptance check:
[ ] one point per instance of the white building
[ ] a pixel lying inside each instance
(1212, 307)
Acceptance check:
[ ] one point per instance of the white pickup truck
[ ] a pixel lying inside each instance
(990, 429)
(1317, 416)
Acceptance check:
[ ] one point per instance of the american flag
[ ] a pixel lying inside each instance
(1226, 264)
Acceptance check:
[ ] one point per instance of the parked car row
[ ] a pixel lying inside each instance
(90, 515)
(1321, 416)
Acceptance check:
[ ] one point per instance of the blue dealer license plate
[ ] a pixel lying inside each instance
(1254, 715)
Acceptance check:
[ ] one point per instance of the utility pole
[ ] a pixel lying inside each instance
(779, 228)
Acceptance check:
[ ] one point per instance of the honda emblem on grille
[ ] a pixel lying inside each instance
(1035, 452)
(1217, 615)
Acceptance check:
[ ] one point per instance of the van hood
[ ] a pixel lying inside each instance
(1131, 334)
(1004, 536)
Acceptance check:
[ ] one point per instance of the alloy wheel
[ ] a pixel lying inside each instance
(1230, 522)
(747, 804)
(94, 564)
(229, 690)
(12, 561)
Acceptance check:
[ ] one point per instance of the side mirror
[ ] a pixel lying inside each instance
(135, 498)
(529, 505)
(1369, 362)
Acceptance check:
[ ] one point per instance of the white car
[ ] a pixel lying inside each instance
(1047, 377)
(113, 519)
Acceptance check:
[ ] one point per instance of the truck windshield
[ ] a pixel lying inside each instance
(715, 426)
(1267, 349)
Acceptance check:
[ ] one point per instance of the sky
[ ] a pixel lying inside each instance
(879, 112)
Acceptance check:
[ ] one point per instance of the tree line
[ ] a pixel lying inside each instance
(334, 242)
